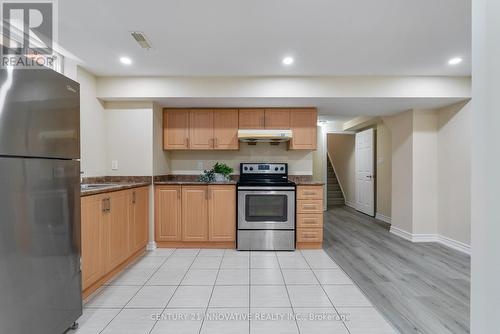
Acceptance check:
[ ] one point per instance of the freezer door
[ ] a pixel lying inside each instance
(39, 114)
(40, 278)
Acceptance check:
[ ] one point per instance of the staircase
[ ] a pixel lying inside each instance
(334, 195)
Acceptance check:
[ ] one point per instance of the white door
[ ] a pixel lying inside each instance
(365, 174)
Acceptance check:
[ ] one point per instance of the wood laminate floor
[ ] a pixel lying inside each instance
(418, 287)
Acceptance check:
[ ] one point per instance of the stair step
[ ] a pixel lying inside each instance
(336, 202)
(334, 187)
(335, 194)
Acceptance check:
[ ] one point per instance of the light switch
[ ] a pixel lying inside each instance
(114, 164)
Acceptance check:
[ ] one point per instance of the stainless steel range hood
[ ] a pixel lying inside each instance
(264, 136)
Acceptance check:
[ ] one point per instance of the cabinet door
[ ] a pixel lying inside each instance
(168, 213)
(251, 119)
(176, 129)
(139, 219)
(222, 213)
(201, 129)
(303, 123)
(277, 118)
(194, 213)
(118, 230)
(93, 251)
(226, 129)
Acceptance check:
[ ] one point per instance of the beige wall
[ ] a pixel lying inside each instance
(384, 169)
(454, 168)
(425, 172)
(401, 127)
(186, 162)
(341, 150)
(160, 157)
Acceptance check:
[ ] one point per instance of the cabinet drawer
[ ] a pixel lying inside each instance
(309, 206)
(310, 192)
(309, 234)
(310, 220)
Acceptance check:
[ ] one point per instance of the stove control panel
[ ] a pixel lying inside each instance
(263, 168)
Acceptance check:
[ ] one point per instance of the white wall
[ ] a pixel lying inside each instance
(129, 140)
(485, 290)
(92, 127)
(151, 88)
(186, 162)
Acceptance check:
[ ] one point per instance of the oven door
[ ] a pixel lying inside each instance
(266, 208)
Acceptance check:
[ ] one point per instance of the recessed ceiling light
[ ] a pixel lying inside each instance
(125, 60)
(455, 61)
(287, 61)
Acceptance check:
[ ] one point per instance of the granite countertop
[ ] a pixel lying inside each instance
(113, 187)
(310, 183)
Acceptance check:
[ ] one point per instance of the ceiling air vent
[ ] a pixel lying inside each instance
(141, 39)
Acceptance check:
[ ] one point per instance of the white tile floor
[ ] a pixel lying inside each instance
(185, 291)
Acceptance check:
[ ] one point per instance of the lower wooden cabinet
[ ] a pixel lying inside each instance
(195, 215)
(310, 216)
(114, 228)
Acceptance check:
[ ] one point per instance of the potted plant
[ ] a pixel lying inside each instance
(222, 172)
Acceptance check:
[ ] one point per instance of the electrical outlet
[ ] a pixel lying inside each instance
(114, 165)
(200, 165)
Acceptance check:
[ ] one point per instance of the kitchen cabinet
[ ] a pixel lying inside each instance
(309, 216)
(139, 219)
(114, 230)
(221, 213)
(201, 216)
(118, 229)
(201, 129)
(195, 213)
(252, 118)
(176, 129)
(226, 129)
(93, 249)
(303, 123)
(277, 118)
(168, 213)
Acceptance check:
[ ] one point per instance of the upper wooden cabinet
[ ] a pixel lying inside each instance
(176, 129)
(303, 123)
(226, 129)
(277, 119)
(201, 129)
(217, 129)
(252, 119)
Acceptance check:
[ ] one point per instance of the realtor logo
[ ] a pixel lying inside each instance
(28, 33)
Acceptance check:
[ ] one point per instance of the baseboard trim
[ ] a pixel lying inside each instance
(151, 246)
(351, 204)
(383, 218)
(445, 241)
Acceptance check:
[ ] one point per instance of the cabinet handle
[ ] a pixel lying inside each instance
(104, 205)
(206, 194)
(309, 193)
(309, 206)
(109, 204)
(187, 142)
(133, 197)
(215, 142)
(178, 194)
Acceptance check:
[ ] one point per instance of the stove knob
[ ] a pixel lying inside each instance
(275, 168)
(245, 168)
(251, 168)
(282, 168)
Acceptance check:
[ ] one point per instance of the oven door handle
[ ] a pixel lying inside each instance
(266, 188)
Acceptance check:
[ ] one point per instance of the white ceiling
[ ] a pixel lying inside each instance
(331, 109)
(242, 37)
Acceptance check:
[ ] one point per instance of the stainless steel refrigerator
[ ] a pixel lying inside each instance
(40, 278)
